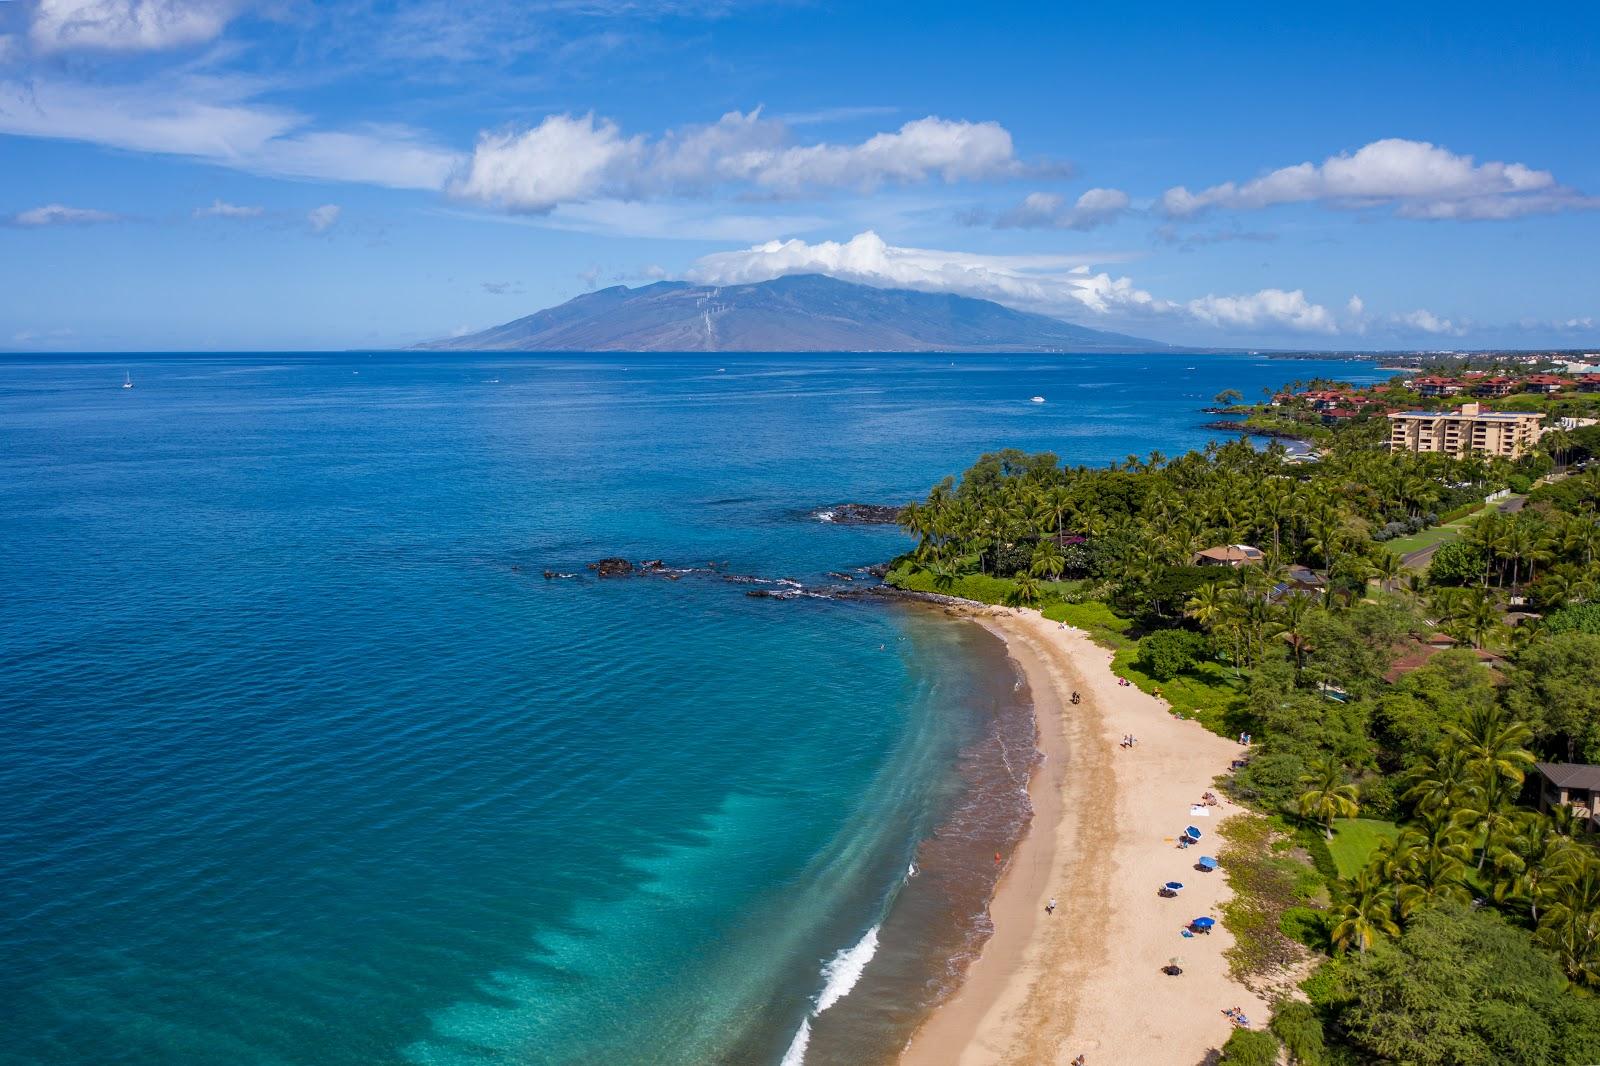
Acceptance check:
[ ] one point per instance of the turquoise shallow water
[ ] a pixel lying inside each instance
(306, 762)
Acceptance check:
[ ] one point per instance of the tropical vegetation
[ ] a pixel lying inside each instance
(1411, 691)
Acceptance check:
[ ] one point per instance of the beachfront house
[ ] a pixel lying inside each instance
(1569, 784)
(1230, 555)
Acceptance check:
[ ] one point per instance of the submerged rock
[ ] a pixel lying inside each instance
(612, 567)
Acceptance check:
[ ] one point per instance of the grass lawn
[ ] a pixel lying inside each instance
(980, 587)
(1354, 841)
(1103, 625)
(1207, 694)
(1431, 536)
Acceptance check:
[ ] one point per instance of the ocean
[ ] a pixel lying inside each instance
(308, 762)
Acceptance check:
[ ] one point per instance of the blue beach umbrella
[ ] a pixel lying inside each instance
(1203, 923)
(1192, 833)
(1207, 863)
(1176, 886)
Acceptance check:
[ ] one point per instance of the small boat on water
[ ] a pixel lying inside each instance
(1036, 399)
(127, 380)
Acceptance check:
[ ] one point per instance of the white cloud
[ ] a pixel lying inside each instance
(1052, 284)
(568, 159)
(1269, 307)
(561, 159)
(1428, 322)
(126, 25)
(212, 120)
(1356, 306)
(222, 209)
(1043, 210)
(1418, 179)
(1037, 282)
(61, 215)
(322, 219)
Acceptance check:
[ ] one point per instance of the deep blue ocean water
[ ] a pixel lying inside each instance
(306, 762)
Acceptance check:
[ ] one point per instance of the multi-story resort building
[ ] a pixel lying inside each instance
(1470, 429)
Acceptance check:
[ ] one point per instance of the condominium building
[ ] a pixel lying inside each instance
(1470, 429)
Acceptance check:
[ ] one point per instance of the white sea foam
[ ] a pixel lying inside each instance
(845, 969)
(797, 1047)
(825, 516)
(839, 976)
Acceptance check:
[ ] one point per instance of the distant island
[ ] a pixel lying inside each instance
(801, 313)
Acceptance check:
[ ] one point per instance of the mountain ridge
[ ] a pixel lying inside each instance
(795, 313)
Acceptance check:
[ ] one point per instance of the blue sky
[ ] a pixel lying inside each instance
(234, 174)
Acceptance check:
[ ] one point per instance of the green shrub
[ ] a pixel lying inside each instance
(1456, 563)
(1307, 925)
(1377, 797)
(1250, 1047)
(1167, 653)
(1324, 985)
(1300, 1028)
(1583, 618)
(1460, 512)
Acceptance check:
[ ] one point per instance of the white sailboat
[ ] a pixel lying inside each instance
(127, 380)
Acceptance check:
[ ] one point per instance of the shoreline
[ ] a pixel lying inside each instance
(1087, 979)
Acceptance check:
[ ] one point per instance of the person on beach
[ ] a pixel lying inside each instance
(1050, 908)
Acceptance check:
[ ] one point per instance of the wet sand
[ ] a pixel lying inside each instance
(1088, 979)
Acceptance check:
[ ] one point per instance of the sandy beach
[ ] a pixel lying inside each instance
(1088, 979)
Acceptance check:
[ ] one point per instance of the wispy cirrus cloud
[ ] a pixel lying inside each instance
(62, 215)
(216, 120)
(126, 25)
(1414, 178)
(1042, 210)
(567, 158)
(223, 209)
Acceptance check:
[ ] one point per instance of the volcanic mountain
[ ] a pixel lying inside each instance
(799, 313)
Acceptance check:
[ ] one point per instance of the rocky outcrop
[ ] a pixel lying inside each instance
(858, 514)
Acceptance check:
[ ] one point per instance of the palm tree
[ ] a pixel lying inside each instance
(1208, 605)
(1047, 560)
(1365, 913)
(1026, 591)
(1485, 811)
(1571, 927)
(1530, 860)
(1558, 444)
(1582, 538)
(1328, 795)
(1493, 744)
(1440, 781)
(1479, 620)
(1292, 614)
(1431, 865)
(1388, 567)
